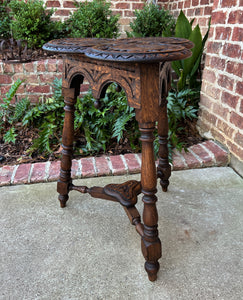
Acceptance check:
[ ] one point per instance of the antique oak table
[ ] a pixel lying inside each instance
(141, 66)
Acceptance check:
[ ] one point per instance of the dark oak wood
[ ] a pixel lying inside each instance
(141, 67)
(164, 168)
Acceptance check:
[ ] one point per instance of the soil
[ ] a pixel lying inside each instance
(11, 154)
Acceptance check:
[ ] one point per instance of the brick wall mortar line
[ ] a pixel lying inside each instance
(210, 98)
(94, 164)
(138, 159)
(46, 65)
(13, 174)
(225, 57)
(125, 163)
(224, 90)
(239, 104)
(225, 73)
(47, 170)
(196, 156)
(79, 172)
(178, 153)
(30, 172)
(35, 66)
(211, 154)
(109, 164)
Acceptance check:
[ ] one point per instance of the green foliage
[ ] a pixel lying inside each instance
(48, 118)
(5, 31)
(10, 114)
(10, 136)
(31, 22)
(152, 21)
(7, 109)
(109, 121)
(93, 19)
(181, 106)
(189, 69)
(94, 128)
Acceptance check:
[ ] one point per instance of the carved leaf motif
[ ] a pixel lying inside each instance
(126, 193)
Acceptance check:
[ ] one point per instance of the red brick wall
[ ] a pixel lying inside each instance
(221, 114)
(200, 10)
(38, 76)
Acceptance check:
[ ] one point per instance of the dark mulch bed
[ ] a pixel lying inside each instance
(18, 153)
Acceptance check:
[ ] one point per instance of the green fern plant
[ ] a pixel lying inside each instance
(48, 118)
(5, 106)
(10, 113)
(94, 127)
(10, 136)
(111, 120)
(181, 106)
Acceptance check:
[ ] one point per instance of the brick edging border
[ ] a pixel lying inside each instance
(206, 154)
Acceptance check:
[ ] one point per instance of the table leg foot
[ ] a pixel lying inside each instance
(164, 173)
(63, 199)
(152, 269)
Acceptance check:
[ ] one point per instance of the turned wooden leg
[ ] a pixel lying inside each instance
(64, 182)
(164, 168)
(151, 245)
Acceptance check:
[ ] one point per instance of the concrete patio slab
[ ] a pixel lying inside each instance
(89, 250)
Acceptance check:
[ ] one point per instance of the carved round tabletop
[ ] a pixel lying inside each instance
(152, 49)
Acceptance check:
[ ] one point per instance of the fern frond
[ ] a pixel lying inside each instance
(10, 94)
(10, 136)
(20, 109)
(120, 124)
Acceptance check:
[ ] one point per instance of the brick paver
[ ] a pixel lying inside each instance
(117, 165)
(207, 154)
(38, 172)
(22, 174)
(54, 170)
(132, 163)
(221, 155)
(88, 168)
(191, 161)
(206, 158)
(6, 173)
(76, 172)
(102, 166)
(178, 162)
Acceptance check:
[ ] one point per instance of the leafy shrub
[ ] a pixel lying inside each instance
(189, 70)
(152, 21)
(94, 128)
(10, 114)
(5, 32)
(181, 105)
(48, 118)
(31, 22)
(111, 120)
(93, 19)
